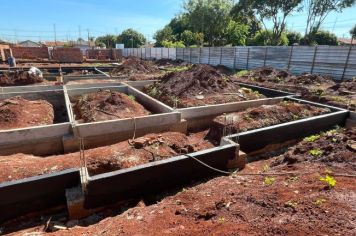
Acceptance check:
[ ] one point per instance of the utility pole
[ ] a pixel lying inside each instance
(55, 34)
(88, 37)
(80, 35)
(334, 25)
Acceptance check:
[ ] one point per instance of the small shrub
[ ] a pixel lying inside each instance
(153, 92)
(269, 181)
(132, 97)
(291, 204)
(311, 138)
(242, 73)
(316, 152)
(329, 180)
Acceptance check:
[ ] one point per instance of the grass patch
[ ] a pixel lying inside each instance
(316, 152)
(242, 73)
(311, 138)
(268, 181)
(329, 180)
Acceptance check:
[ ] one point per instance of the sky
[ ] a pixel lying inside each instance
(37, 19)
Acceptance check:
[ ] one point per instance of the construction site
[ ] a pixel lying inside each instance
(148, 144)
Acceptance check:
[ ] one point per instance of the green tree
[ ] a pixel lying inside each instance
(131, 38)
(318, 10)
(170, 44)
(236, 33)
(242, 12)
(293, 37)
(209, 17)
(165, 34)
(100, 44)
(178, 24)
(275, 11)
(189, 38)
(264, 38)
(108, 40)
(325, 38)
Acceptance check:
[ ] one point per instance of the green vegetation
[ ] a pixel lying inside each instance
(316, 152)
(153, 92)
(268, 181)
(242, 73)
(178, 68)
(311, 138)
(291, 204)
(131, 38)
(329, 180)
(319, 201)
(132, 97)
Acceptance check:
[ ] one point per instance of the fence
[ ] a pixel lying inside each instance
(336, 61)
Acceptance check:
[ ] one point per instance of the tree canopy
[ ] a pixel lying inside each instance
(131, 38)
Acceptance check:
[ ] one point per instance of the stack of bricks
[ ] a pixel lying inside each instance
(67, 55)
(30, 52)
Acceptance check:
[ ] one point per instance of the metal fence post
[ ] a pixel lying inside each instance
(247, 59)
(346, 62)
(312, 68)
(220, 55)
(234, 66)
(290, 57)
(264, 62)
(161, 53)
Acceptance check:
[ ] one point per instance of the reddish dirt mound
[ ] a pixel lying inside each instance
(312, 79)
(200, 85)
(17, 112)
(149, 148)
(169, 62)
(332, 146)
(262, 116)
(15, 78)
(134, 65)
(107, 105)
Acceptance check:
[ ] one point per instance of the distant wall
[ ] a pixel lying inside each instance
(336, 61)
(104, 54)
(67, 55)
(30, 52)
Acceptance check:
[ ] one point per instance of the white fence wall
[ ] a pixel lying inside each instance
(336, 61)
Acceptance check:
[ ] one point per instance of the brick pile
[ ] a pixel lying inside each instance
(104, 54)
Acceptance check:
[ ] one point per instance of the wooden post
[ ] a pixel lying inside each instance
(234, 66)
(312, 68)
(247, 59)
(346, 62)
(264, 62)
(290, 57)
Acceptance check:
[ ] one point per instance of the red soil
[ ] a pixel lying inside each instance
(107, 105)
(16, 78)
(149, 148)
(17, 112)
(134, 65)
(251, 202)
(262, 116)
(200, 85)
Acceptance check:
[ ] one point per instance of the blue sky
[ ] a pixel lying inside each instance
(34, 19)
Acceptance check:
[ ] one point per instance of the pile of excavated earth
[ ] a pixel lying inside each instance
(313, 87)
(197, 86)
(16, 78)
(17, 112)
(107, 105)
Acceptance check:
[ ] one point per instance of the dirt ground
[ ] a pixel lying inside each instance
(166, 63)
(17, 78)
(262, 116)
(134, 65)
(107, 105)
(17, 112)
(149, 148)
(197, 86)
(263, 199)
(313, 87)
